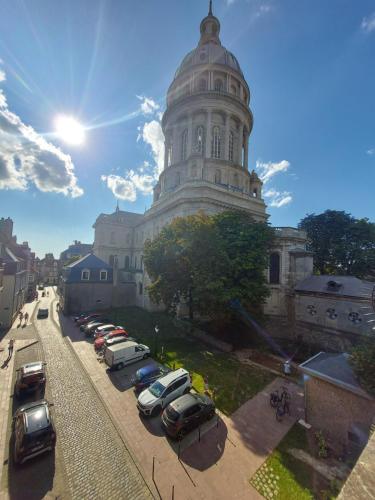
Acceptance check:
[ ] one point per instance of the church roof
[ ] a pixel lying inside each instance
(120, 217)
(89, 261)
(337, 285)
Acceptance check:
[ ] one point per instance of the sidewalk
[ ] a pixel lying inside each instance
(220, 465)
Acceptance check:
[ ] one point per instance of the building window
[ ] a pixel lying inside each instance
(85, 275)
(135, 262)
(354, 317)
(216, 143)
(140, 288)
(231, 143)
(311, 309)
(103, 275)
(255, 193)
(169, 154)
(233, 89)
(218, 85)
(184, 140)
(331, 313)
(274, 268)
(202, 85)
(127, 262)
(199, 140)
(218, 176)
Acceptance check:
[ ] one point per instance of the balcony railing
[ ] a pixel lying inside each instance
(174, 100)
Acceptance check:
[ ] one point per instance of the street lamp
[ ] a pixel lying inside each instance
(156, 339)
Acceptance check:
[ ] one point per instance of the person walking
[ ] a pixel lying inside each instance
(20, 316)
(26, 317)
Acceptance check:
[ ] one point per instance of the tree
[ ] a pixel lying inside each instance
(341, 243)
(362, 360)
(208, 261)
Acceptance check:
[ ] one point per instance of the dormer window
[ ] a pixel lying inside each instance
(85, 275)
(103, 275)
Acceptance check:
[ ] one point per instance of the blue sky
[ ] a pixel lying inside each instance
(310, 67)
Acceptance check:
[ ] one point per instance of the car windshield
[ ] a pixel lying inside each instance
(157, 389)
(34, 437)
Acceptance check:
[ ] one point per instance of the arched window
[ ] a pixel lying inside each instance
(255, 193)
(216, 143)
(127, 262)
(184, 139)
(202, 84)
(233, 89)
(275, 268)
(169, 155)
(199, 135)
(218, 85)
(231, 143)
(218, 176)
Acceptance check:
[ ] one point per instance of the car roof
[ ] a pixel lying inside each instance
(37, 418)
(42, 309)
(184, 402)
(32, 367)
(118, 347)
(150, 368)
(106, 325)
(172, 376)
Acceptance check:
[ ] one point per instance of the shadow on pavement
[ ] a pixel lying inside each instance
(152, 425)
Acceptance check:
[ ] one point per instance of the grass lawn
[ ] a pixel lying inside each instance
(283, 477)
(231, 382)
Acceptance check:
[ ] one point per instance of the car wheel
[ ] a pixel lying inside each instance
(156, 411)
(211, 415)
(120, 366)
(146, 356)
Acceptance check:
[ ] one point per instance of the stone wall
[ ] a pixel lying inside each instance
(79, 297)
(344, 417)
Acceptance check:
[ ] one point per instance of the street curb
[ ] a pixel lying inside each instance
(116, 426)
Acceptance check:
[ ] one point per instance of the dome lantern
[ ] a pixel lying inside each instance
(210, 29)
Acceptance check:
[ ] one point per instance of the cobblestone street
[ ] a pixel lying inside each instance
(96, 461)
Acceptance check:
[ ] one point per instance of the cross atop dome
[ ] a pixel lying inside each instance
(210, 28)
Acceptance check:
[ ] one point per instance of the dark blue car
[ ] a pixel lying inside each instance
(146, 375)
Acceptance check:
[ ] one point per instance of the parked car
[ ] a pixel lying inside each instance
(147, 375)
(90, 327)
(88, 318)
(117, 356)
(80, 316)
(40, 287)
(102, 330)
(118, 333)
(117, 340)
(186, 413)
(151, 401)
(30, 378)
(42, 313)
(33, 430)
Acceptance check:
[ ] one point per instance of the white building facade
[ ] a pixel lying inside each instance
(207, 125)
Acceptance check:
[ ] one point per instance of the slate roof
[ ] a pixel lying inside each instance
(121, 217)
(73, 272)
(89, 261)
(346, 286)
(334, 368)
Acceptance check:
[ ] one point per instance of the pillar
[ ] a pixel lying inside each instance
(227, 130)
(246, 152)
(190, 136)
(240, 144)
(208, 134)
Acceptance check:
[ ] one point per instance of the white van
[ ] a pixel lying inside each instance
(119, 355)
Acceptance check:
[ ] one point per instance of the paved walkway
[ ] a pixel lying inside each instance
(220, 465)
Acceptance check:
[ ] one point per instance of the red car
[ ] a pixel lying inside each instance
(99, 342)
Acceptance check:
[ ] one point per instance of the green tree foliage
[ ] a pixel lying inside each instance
(362, 360)
(208, 261)
(341, 243)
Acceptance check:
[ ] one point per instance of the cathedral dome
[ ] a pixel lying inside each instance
(209, 50)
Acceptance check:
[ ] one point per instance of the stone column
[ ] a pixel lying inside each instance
(166, 147)
(246, 153)
(227, 130)
(190, 136)
(175, 146)
(240, 144)
(208, 134)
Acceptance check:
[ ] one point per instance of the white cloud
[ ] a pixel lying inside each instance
(120, 187)
(278, 199)
(2, 75)
(26, 157)
(368, 23)
(270, 169)
(371, 151)
(148, 105)
(152, 134)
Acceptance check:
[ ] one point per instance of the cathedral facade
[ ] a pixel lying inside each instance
(206, 125)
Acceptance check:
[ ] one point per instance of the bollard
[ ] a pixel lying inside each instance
(173, 492)
(153, 467)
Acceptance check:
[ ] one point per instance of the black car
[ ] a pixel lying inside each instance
(42, 313)
(186, 413)
(147, 375)
(81, 316)
(30, 378)
(33, 431)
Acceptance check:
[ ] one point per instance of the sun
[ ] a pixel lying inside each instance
(69, 130)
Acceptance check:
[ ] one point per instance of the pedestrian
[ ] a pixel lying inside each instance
(21, 316)
(58, 306)
(26, 317)
(10, 348)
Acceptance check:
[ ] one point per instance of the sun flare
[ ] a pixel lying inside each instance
(69, 130)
